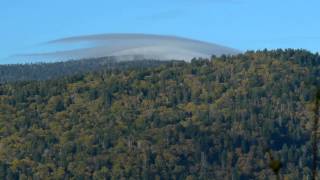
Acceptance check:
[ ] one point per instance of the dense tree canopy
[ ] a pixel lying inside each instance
(45, 71)
(208, 119)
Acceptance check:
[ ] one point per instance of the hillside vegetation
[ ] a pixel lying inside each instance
(46, 71)
(208, 119)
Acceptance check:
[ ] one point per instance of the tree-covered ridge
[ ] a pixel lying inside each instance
(206, 119)
(46, 71)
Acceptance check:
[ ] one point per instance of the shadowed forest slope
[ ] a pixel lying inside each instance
(46, 71)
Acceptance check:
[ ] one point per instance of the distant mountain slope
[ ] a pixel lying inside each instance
(45, 71)
(129, 46)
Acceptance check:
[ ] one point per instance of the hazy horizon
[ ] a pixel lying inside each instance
(240, 24)
(124, 47)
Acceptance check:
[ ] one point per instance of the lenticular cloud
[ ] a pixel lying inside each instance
(130, 47)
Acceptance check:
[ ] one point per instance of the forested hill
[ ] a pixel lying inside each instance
(46, 71)
(201, 120)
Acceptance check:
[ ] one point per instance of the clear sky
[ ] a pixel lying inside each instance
(241, 24)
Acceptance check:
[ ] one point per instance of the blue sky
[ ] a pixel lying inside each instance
(241, 24)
